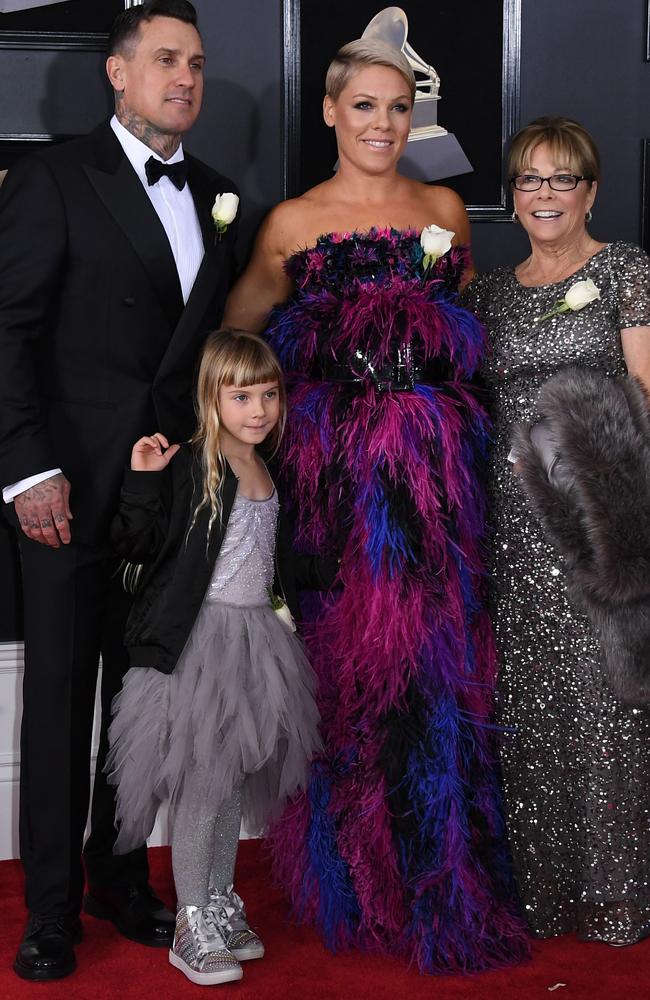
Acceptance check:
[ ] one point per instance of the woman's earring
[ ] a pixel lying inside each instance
(514, 217)
(588, 216)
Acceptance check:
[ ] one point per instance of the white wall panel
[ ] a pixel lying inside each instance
(11, 676)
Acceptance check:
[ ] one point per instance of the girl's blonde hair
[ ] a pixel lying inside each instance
(365, 52)
(230, 357)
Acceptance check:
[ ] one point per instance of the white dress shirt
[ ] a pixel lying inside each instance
(177, 213)
(174, 208)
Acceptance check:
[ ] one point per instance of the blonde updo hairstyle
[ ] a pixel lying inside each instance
(361, 53)
(568, 141)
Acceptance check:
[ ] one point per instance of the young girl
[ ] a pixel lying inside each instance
(217, 715)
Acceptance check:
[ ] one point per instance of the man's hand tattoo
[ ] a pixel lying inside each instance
(43, 511)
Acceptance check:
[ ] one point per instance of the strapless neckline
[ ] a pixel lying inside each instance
(374, 234)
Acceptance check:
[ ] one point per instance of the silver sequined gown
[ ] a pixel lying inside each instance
(576, 763)
(239, 703)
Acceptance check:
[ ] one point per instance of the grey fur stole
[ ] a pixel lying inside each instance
(586, 470)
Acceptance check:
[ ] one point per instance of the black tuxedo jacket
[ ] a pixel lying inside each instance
(96, 347)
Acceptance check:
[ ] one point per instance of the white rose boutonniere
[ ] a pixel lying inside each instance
(578, 296)
(224, 211)
(435, 243)
(281, 609)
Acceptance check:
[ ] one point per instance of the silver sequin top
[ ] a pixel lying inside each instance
(526, 351)
(245, 565)
(576, 763)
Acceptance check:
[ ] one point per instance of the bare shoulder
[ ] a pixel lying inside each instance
(446, 207)
(293, 223)
(275, 225)
(284, 213)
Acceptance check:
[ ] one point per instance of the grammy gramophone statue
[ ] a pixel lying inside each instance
(432, 152)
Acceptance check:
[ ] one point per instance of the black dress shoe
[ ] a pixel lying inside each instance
(135, 911)
(46, 951)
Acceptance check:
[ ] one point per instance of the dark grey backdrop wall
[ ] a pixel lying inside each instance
(583, 59)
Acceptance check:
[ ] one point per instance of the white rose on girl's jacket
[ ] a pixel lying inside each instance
(435, 242)
(281, 609)
(581, 294)
(283, 613)
(224, 210)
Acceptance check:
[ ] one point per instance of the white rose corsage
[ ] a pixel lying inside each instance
(578, 296)
(435, 243)
(224, 211)
(281, 609)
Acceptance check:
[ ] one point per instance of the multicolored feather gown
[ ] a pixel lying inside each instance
(399, 844)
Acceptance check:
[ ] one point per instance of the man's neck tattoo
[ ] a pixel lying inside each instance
(162, 143)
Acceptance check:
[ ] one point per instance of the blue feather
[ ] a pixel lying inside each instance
(329, 875)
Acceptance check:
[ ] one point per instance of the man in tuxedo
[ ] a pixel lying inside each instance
(111, 274)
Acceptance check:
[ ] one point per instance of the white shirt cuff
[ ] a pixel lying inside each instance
(10, 492)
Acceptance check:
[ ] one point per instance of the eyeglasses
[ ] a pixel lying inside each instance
(558, 182)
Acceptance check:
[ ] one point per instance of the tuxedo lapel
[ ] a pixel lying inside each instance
(121, 191)
(203, 194)
(204, 190)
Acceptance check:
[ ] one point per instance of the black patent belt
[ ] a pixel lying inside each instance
(402, 375)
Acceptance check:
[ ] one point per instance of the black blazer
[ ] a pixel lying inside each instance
(151, 527)
(96, 347)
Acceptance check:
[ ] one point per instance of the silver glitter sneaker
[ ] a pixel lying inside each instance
(199, 949)
(228, 908)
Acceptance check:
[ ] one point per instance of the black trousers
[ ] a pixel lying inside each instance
(74, 609)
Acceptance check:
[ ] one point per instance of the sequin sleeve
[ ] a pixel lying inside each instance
(475, 295)
(633, 279)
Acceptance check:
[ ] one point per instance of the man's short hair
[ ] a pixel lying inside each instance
(126, 26)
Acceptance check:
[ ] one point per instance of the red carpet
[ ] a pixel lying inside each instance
(298, 967)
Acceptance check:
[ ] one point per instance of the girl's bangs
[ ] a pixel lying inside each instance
(253, 368)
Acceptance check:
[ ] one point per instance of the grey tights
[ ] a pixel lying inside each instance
(204, 848)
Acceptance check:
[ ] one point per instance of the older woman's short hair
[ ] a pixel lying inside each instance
(365, 52)
(569, 142)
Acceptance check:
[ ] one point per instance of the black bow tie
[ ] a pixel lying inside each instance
(177, 172)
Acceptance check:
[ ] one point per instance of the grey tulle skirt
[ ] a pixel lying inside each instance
(239, 705)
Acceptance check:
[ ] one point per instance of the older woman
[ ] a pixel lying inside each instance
(576, 760)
